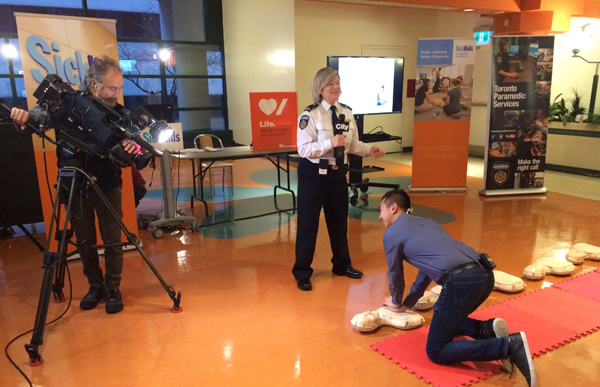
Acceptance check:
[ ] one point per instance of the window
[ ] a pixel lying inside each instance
(192, 79)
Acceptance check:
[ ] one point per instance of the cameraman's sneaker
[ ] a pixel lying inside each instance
(114, 302)
(93, 297)
(520, 356)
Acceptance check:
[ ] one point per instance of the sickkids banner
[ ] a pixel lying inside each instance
(518, 105)
(64, 45)
(273, 116)
(443, 90)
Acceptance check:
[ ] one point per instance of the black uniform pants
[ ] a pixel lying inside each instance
(329, 192)
(84, 226)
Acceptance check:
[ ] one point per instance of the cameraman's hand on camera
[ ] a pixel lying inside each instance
(20, 116)
(129, 145)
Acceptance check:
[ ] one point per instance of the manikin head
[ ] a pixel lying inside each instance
(105, 80)
(393, 204)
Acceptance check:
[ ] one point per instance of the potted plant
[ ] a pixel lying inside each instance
(560, 112)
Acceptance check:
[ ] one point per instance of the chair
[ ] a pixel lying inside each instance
(204, 141)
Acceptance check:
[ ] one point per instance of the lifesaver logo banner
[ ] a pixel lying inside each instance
(273, 118)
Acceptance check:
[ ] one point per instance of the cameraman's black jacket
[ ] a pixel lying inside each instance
(106, 172)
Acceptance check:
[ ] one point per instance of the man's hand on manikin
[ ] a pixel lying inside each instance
(389, 304)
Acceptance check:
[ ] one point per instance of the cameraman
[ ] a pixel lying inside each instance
(104, 79)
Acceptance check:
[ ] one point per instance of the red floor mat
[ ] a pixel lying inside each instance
(586, 285)
(542, 336)
(560, 307)
(408, 351)
(549, 317)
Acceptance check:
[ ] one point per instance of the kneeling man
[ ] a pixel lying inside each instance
(467, 280)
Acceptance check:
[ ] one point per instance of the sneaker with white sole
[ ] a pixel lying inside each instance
(520, 355)
(497, 328)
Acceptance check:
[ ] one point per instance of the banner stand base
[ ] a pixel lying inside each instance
(438, 189)
(520, 191)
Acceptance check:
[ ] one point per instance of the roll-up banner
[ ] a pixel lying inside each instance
(443, 90)
(63, 45)
(518, 105)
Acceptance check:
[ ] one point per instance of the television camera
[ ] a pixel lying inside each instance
(83, 122)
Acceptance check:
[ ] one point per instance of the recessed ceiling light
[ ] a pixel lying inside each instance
(469, 10)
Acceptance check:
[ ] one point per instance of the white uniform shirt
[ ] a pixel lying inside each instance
(314, 140)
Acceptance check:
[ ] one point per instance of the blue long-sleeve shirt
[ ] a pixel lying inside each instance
(427, 246)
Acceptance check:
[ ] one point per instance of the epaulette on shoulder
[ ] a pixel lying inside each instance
(346, 106)
(311, 107)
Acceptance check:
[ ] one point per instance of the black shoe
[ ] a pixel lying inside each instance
(304, 284)
(93, 297)
(351, 273)
(114, 302)
(497, 328)
(520, 356)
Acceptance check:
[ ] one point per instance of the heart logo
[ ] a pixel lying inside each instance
(267, 106)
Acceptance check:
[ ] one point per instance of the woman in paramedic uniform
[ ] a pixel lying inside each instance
(322, 177)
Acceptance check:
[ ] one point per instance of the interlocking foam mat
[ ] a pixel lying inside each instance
(537, 313)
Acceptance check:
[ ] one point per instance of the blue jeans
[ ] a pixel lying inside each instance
(461, 295)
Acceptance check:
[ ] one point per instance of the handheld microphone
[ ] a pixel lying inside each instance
(338, 151)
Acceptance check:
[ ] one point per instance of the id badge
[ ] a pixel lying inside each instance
(323, 164)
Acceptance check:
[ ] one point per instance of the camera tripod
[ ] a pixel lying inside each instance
(55, 262)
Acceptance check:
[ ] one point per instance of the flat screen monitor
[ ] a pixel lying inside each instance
(370, 85)
(514, 49)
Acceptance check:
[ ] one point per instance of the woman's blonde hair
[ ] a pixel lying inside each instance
(322, 78)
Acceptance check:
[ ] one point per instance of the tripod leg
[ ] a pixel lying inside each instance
(35, 359)
(175, 297)
(59, 273)
(59, 281)
(51, 261)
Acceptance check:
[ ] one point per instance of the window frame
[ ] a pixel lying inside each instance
(163, 76)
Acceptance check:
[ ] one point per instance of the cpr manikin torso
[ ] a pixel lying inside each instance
(581, 251)
(544, 266)
(369, 321)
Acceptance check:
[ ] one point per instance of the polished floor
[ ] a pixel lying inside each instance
(244, 322)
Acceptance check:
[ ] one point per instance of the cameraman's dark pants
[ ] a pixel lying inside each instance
(84, 225)
(329, 192)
